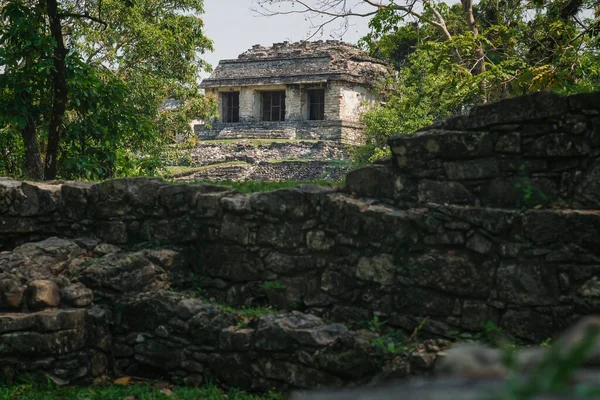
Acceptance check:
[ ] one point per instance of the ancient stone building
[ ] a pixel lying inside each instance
(305, 90)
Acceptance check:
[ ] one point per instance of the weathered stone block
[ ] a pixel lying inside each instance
(476, 314)
(442, 192)
(534, 106)
(509, 143)
(461, 273)
(471, 169)
(77, 295)
(42, 294)
(41, 344)
(446, 238)
(206, 326)
(480, 244)
(41, 199)
(417, 301)
(235, 229)
(10, 190)
(532, 326)
(285, 264)
(379, 269)
(235, 339)
(558, 145)
(380, 182)
(530, 283)
(318, 240)
(113, 231)
(11, 293)
(585, 101)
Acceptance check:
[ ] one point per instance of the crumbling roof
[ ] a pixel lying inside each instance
(301, 62)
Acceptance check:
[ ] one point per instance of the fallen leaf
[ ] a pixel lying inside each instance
(166, 392)
(124, 380)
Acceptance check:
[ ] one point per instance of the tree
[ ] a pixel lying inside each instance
(86, 79)
(449, 58)
(385, 16)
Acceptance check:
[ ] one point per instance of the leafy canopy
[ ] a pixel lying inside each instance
(525, 47)
(123, 60)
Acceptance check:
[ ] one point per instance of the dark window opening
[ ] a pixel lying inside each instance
(273, 106)
(316, 104)
(231, 107)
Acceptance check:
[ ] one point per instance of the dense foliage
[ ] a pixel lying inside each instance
(523, 47)
(83, 84)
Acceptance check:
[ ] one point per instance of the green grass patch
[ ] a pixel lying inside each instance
(248, 312)
(140, 391)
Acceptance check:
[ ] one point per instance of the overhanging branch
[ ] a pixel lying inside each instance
(83, 16)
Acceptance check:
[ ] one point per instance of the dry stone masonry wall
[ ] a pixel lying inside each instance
(536, 149)
(398, 242)
(267, 161)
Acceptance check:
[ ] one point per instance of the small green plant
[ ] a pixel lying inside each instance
(247, 314)
(375, 324)
(394, 341)
(386, 345)
(273, 285)
(490, 333)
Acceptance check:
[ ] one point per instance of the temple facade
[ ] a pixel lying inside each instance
(306, 90)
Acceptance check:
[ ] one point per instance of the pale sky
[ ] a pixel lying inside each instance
(234, 28)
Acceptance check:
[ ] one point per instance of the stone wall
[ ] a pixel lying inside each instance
(283, 170)
(342, 131)
(145, 323)
(538, 149)
(340, 256)
(207, 153)
(398, 242)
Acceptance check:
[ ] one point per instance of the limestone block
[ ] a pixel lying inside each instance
(471, 169)
(77, 295)
(379, 269)
(11, 293)
(442, 192)
(42, 294)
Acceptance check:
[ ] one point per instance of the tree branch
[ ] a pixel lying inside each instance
(83, 16)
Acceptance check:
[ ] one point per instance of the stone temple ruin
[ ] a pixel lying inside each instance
(304, 90)
(491, 217)
(286, 112)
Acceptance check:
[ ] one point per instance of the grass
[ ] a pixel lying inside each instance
(140, 391)
(248, 313)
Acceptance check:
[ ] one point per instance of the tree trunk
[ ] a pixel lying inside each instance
(35, 170)
(33, 160)
(60, 90)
